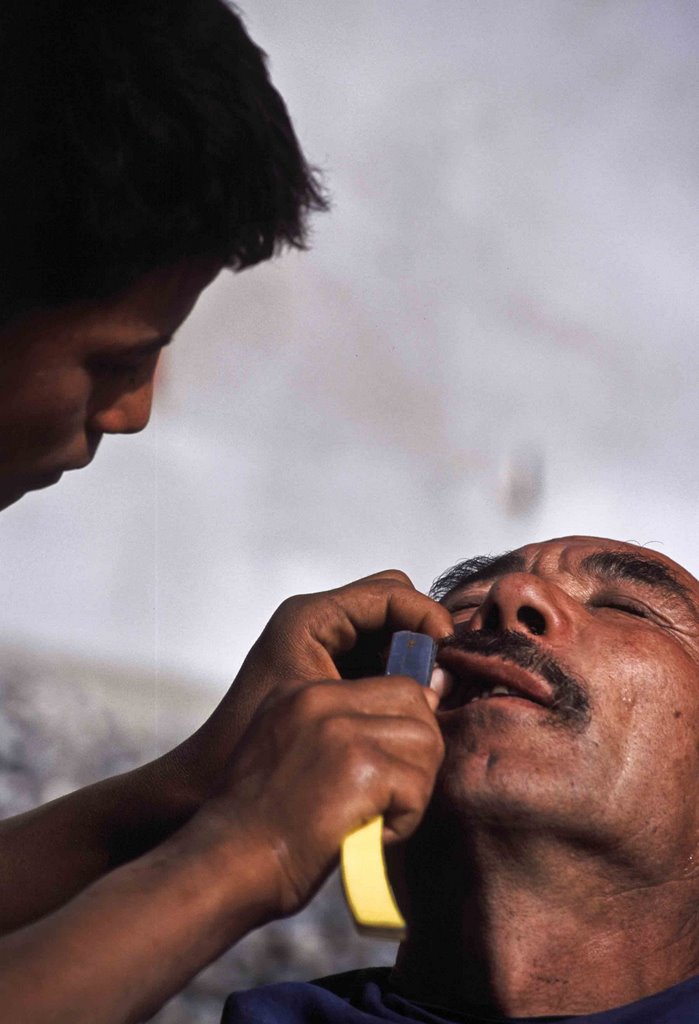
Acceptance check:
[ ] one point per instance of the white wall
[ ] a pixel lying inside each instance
(493, 340)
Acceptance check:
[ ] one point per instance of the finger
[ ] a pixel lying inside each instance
(388, 766)
(397, 575)
(441, 683)
(394, 697)
(384, 605)
(432, 698)
(412, 794)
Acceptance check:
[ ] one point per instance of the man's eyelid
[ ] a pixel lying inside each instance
(464, 602)
(611, 598)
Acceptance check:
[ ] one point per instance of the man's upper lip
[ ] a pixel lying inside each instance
(473, 673)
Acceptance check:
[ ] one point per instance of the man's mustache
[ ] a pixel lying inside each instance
(571, 704)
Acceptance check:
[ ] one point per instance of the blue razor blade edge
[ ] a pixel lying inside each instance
(411, 654)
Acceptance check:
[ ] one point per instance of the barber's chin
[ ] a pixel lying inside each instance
(8, 498)
(11, 492)
(42, 480)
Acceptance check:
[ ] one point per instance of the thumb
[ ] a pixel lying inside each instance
(441, 683)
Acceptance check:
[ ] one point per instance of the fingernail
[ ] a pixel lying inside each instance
(441, 682)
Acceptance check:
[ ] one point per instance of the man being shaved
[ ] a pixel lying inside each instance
(554, 875)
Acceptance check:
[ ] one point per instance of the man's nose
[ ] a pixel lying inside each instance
(124, 412)
(523, 603)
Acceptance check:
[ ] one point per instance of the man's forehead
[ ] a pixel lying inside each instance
(566, 553)
(570, 555)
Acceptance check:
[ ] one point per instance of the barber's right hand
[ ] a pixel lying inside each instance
(319, 760)
(328, 635)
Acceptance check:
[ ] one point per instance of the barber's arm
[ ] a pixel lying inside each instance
(318, 760)
(54, 852)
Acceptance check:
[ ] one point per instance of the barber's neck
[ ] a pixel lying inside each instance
(523, 924)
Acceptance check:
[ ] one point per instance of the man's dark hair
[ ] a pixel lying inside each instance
(135, 133)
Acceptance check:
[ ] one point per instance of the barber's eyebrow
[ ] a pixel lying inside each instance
(480, 569)
(629, 567)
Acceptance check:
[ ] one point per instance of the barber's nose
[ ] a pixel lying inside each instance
(125, 412)
(523, 603)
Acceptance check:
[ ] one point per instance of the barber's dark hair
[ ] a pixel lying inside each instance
(135, 133)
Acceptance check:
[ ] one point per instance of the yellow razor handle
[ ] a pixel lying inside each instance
(367, 889)
(363, 867)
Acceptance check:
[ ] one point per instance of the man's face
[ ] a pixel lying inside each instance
(70, 375)
(599, 740)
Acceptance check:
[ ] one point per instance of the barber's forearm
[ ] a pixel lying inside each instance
(126, 944)
(53, 852)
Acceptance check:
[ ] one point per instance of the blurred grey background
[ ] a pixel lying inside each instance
(493, 340)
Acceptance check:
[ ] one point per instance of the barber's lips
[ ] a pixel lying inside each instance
(478, 678)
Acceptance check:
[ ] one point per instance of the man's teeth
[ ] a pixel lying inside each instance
(499, 690)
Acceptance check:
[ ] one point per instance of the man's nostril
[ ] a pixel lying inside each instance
(532, 619)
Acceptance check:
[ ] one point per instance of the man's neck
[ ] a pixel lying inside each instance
(527, 927)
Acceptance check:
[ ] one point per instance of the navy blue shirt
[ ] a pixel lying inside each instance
(364, 997)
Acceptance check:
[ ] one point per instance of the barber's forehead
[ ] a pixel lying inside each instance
(566, 553)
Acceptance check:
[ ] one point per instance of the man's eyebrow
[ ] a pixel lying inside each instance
(480, 569)
(633, 568)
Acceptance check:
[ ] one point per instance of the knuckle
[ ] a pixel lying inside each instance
(424, 783)
(301, 613)
(384, 578)
(438, 748)
(358, 762)
(393, 576)
(430, 764)
(411, 789)
(291, 608)
(434, 752)
(360, 768)
(308, 702)
(430, 744)
(340, 733)
(422, 746)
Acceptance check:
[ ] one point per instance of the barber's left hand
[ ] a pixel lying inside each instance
(330, 635)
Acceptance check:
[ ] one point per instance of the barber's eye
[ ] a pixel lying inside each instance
(117, 368)
(114, 369)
